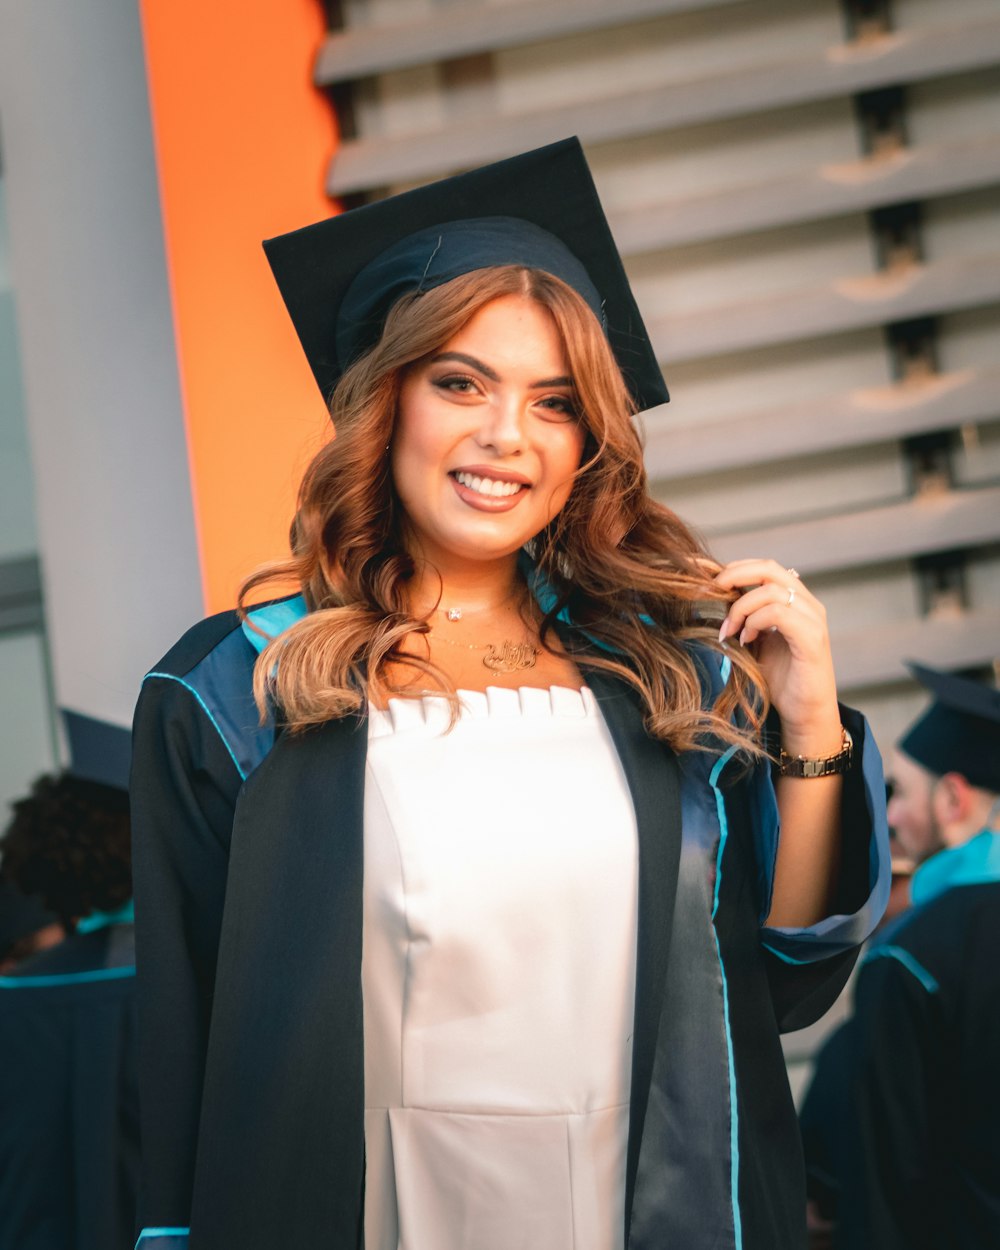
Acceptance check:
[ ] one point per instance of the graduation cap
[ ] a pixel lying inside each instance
(340, 277)
(959, 732)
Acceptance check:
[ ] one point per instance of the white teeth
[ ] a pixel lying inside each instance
(487, 485)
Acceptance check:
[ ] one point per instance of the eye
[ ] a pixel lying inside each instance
(456, 383)
(561, 407)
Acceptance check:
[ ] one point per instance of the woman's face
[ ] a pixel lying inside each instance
(487, 438)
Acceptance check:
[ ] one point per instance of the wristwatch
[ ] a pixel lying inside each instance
(803, 766)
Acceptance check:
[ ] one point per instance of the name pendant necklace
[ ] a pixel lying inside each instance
(507, 657)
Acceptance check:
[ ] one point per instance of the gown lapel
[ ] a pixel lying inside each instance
(281, 1144)
(653, 777)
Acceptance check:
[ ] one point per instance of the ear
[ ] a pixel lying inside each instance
(953, 798)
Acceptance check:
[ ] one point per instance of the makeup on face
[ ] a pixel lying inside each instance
(487, 438)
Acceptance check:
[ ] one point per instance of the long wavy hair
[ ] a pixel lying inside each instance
(633, 579)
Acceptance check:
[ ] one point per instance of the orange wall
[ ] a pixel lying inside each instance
(242, 140)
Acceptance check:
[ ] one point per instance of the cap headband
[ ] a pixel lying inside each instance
(432, 257)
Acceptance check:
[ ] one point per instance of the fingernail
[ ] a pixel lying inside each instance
(743, 634)
(724, 630)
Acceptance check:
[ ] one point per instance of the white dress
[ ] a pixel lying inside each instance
(500, 905)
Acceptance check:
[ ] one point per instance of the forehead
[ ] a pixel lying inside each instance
(513, 327)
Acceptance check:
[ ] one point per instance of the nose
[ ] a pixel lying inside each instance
(502, 428)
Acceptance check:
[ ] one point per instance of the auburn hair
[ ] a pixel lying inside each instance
(634, 580)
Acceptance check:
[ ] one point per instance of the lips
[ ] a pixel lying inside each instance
(489, 490)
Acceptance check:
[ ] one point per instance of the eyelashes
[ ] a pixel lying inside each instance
(561, 407)
(458, 383)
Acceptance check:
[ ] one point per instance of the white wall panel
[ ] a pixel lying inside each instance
(670, 49)
(962, 225)
(969, 340)
(911, 14)
(955, 107)
(755, 266)
(983, 577)
(723, 386)
(867, 597)
(977, 461)
(720, 155)
(785, 491)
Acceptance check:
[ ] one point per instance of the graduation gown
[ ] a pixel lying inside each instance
(921, 1094)
(69, 1116)
(248, 870)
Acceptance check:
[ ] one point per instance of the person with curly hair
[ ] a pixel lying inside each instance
(463, 918)
(69, 1133)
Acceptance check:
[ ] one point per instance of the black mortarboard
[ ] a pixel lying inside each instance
(959, 732)
(340, 277)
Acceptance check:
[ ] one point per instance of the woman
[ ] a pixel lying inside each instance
(491, 969)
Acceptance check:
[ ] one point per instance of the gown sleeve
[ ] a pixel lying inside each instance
(808, 966)
(184, 787)
(865, 868)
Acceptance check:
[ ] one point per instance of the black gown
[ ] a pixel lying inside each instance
(247, 861)
(922, 1089)
(69, 1116)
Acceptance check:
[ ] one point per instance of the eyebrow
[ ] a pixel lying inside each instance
(473, 363)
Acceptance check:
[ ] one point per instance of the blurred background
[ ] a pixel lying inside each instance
(806, 195)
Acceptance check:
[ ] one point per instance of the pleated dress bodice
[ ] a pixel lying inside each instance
(498, 972)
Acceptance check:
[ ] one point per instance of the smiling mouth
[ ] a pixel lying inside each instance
(488, 486)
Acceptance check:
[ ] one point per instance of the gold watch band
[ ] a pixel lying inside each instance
(829, 766)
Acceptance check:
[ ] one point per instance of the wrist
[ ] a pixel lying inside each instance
(813, 739)
(830, 763)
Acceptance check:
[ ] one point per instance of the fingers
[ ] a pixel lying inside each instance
(752, 572)
(777, 601)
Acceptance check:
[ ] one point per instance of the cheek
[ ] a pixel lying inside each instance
(565, 457)
(942, 810)
(412, 453)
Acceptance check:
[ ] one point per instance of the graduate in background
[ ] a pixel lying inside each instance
(923, 1096)
(69, 1137)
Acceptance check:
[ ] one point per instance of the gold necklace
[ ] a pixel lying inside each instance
(509, 657)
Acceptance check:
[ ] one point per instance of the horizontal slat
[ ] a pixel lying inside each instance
(465, 29)
(919, 526)
(856, 186)
(853, 419)
(872, 657)
(846, 304)
(899, 57)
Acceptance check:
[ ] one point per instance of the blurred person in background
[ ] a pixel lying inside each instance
(922, 1104)
(69, 1136)
(827, 1136)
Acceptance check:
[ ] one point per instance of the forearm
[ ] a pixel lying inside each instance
(807, 867)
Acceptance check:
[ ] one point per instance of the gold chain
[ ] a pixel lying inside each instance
(509, 657)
